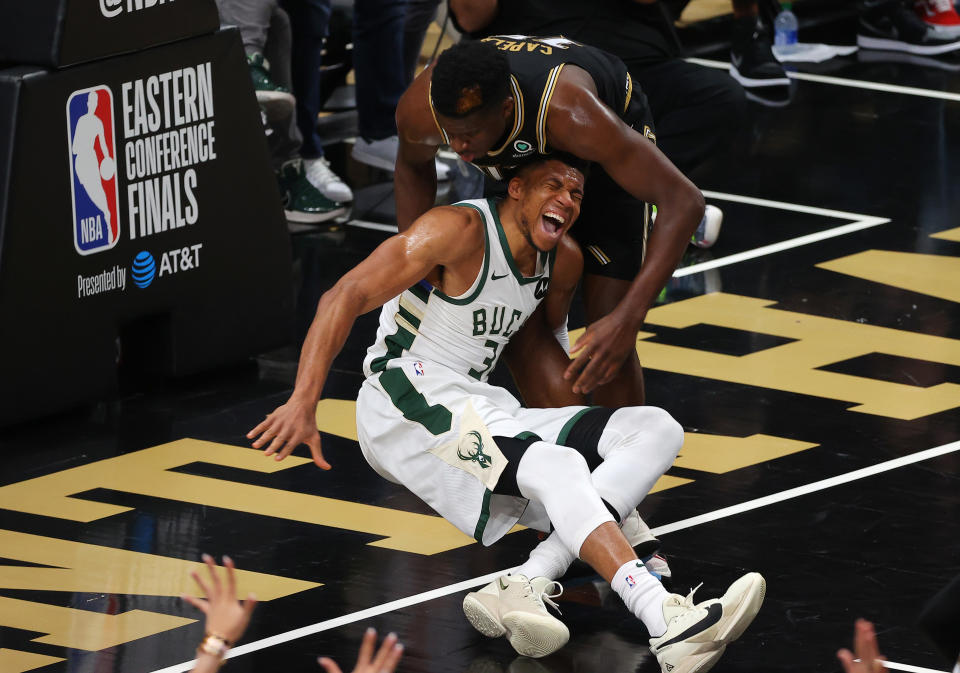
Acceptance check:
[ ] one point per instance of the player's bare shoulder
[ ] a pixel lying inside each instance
(453, 231)
(415, 121)
(578, 122)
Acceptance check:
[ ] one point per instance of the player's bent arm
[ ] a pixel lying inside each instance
(415, 173)
(583, 125)
(473, 15)
(435, 239)
(535, 357)
(442, 237)
(567, 270)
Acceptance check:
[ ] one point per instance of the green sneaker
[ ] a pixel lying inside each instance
(302, 202)
(266, 89)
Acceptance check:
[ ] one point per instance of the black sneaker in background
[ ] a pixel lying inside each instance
(892, 26)
(752, 62)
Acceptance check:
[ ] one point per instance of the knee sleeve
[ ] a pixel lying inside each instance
(559, 479)
(638, 445)
(648, 430)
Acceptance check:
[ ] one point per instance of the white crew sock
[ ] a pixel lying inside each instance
(549, 559)
(643, 595)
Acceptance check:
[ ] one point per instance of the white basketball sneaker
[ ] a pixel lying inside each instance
(638, 535)
(708, 231)
(697, 635)
(514, 606)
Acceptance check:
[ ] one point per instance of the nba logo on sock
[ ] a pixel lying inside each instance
(91, 147)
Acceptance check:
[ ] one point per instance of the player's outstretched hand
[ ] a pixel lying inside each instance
(865, 649)
(600, 351)
(225, 617)
(385, 661)
(288, 427)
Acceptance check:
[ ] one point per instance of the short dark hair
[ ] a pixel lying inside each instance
(469, 77)
(570, 160)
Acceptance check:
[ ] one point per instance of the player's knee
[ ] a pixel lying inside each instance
(563, 460)
(544, 466)
(669, 436)
(663, 436)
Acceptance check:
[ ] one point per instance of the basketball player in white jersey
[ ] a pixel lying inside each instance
(427, 418)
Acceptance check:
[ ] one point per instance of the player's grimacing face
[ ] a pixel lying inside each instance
(550, 195)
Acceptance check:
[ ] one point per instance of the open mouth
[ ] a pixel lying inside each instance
(552, 222)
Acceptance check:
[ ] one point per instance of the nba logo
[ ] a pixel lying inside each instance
(630, 581)
(418, 368)
(93, 181)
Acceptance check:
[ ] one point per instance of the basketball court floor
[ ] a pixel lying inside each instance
(812, 356)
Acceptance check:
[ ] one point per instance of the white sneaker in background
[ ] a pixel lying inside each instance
(708, 231)
(514, 606)
(329, 183)
(382, 154)
(638, 535)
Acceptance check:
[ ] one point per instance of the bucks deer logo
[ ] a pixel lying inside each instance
(471, 449)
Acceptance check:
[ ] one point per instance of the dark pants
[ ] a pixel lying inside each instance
(378, 64)
(696, 110)
(265, 28)
(309, 20)
(420, 14)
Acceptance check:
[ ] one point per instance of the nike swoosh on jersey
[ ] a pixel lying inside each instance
(496, 277)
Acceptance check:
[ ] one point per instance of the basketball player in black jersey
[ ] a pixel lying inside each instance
(507, 99)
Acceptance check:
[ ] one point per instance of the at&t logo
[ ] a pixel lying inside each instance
(144, 269)
(178, 260)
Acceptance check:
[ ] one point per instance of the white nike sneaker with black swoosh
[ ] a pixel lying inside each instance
(697, 635)
(514, 606)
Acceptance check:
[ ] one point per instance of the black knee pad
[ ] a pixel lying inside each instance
(583, 432)
(513, 449)
(583, 435)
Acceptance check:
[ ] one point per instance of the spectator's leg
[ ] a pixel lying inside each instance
(309, 20)
(286, 140)
(420, 14)
(252, 17)
(696, 110)
(378, 64)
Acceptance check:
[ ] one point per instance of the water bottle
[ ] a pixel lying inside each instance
(785, 30)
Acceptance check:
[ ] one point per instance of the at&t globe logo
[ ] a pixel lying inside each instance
(144, 269)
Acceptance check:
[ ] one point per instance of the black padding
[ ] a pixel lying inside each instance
(584, 436)
(513, 449)
(613, 511)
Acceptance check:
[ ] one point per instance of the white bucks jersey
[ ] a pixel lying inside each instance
(465, 334)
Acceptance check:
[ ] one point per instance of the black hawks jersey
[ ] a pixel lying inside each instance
(535, 66)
